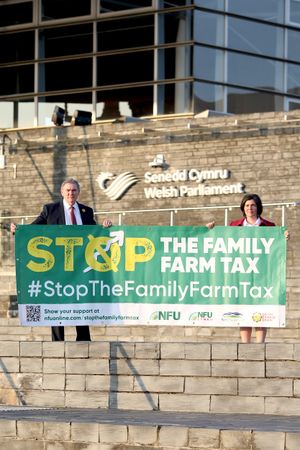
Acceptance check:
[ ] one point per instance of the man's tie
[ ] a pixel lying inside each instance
(72, 214)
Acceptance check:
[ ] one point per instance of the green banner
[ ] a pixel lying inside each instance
(134, 275)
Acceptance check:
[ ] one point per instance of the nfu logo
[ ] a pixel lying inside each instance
(165, 315)
(201, 315)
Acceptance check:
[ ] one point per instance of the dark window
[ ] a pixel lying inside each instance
(61, 9)
(126, 68)
(121, 5)
(125, 33)
(66, 41)
(16, 80)
(166, 58)
(174, 62)
(241, 101)
(15, 14)
(174, 27)
(174, 98)
(134, 102)
(17, 47)
(65, 75)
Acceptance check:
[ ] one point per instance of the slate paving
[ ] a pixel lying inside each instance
(256, 422)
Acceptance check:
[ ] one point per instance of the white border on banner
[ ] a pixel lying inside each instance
(119, 314)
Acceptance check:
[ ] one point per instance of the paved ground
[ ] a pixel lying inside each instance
(177, 419)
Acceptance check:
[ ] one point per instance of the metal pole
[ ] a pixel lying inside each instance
(283, 215)
(172, 218)
(226, 217)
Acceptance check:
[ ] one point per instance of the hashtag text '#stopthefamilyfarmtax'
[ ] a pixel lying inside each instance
(97, 289)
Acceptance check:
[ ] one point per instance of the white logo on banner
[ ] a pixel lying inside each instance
(119, 186)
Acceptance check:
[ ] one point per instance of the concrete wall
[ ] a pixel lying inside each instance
(20, 435)
(260, 150)
(201, 377)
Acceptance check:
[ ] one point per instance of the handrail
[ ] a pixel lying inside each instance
(121, 213)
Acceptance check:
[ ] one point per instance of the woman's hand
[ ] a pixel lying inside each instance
(287, 234)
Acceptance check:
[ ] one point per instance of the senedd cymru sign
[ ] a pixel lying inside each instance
(116, 186)
(75, 275)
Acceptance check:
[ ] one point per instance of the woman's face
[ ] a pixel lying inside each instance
(250, 209)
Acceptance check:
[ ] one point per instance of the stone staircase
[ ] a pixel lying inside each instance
(187, 377)
(79, 429)
(163, 396)
(216, 393)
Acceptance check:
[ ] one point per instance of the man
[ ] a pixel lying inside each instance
(67, 212)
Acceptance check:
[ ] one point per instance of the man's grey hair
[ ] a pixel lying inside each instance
(70, 181)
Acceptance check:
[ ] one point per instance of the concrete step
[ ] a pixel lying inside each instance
(37, 428)
(188, 377)
(10, 329)
(182, 395)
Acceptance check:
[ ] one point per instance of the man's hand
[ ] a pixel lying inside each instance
(13, 228)
(107, 223)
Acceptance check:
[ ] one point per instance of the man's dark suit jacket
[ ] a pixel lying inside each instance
(54, 214)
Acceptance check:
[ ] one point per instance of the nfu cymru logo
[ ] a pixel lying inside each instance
(118, 186)
(165, 315)
(201, 315)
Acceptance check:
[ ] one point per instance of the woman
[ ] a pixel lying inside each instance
(251, 207)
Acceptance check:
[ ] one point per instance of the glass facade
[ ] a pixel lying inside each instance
(155, 57)
(245, 55)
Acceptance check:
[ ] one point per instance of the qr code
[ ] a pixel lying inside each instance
(33, 313)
